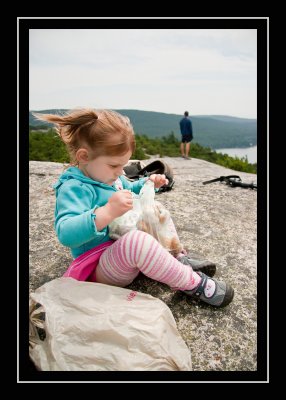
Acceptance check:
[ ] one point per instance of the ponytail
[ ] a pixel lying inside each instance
(67, 125)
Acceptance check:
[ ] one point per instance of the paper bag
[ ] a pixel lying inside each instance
(95, 327)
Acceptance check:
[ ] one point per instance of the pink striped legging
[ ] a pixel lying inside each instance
(138, 251)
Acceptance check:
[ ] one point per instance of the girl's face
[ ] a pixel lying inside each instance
(106, 169)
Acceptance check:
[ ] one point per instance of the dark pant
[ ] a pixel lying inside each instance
(187, 138)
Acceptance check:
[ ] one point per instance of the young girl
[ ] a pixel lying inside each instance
(93, 192)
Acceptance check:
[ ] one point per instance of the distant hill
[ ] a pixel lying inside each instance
(215, 131)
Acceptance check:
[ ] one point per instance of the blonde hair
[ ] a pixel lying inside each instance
(104, 132)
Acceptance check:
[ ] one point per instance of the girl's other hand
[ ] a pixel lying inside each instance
(119, 203)
(159, 180)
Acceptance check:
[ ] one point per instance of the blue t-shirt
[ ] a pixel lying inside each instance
(186, 126)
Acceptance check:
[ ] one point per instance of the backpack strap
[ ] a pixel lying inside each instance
(159, 167)
(222, 178)
(135, 171)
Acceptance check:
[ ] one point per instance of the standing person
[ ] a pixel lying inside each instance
(93, 192)
(187, 135)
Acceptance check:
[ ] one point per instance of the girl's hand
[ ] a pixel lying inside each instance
(119, 203)
(159, 180)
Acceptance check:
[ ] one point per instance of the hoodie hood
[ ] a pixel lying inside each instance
(76, 173)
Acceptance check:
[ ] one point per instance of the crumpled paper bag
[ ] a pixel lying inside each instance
(95, 327)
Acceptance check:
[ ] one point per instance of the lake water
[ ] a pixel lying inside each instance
(250, 152)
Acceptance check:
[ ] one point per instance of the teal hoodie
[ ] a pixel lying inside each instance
(77, 196)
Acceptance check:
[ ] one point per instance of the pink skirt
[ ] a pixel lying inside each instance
(83, 267)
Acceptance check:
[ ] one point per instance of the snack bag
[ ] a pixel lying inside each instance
(149, 216)
(126, 222)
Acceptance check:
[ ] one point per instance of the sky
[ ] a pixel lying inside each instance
(204, 71)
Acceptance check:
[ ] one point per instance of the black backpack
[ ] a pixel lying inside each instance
(135, 171)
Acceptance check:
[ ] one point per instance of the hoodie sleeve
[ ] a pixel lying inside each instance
(74, 214)
(135, 186)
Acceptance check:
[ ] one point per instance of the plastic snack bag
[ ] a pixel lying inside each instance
(149, 216)
(126, 222)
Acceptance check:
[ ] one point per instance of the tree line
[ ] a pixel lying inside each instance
(48, 147)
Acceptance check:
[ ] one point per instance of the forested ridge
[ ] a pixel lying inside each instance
(214, 131)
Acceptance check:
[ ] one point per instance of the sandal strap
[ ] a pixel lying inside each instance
(202, 285)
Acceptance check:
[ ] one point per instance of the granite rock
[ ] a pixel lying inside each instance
(216, 221)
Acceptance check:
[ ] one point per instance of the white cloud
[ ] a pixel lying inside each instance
(206, 71)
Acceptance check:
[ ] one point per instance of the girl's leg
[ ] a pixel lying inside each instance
(138, 251)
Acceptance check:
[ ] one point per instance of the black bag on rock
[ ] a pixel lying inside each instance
(136, 169)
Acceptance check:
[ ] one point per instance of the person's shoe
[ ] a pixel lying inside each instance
(221, 297)
(198, 264)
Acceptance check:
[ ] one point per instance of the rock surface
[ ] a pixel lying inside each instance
(216, 221)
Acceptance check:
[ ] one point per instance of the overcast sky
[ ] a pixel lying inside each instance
(204, 71)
